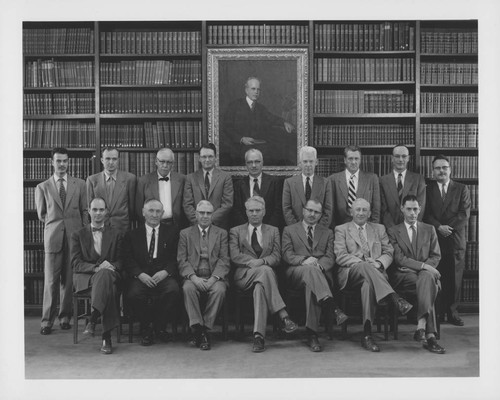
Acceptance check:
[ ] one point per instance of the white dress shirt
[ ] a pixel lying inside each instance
(355, 179)
(165, 190)
(149, 234)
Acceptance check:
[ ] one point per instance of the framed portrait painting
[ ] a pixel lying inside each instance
(258, 98)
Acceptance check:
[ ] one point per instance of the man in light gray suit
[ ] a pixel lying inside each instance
(351, 184)
(397, 185)
(299, 189)
(255, 251)
(116, 187)
(61, 204)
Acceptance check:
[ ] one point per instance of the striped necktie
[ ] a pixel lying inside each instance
(352, 192)
(364, 243)
(62, 191)
(400, 186)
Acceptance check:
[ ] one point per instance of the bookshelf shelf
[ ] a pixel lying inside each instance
(49, 149)
(366, 116)
(449, 116)
(127, 56)
(365, 83)
(59, 116)
(363, 53)
(158, 86)
(152, 116)
(60, 89)
(447, 149)
(58, 56)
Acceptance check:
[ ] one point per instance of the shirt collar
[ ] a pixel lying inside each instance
(408, 225)
(306, 226)
(252, 178)
(360, 226)
(201, 229)
(396, 173)
(159, 175)
(304, 178)
(440, 185)
(57, 177)
(149, 229)
(348, 174)
(107, 175)
(249, 101)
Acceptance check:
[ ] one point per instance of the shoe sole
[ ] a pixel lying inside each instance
(290, 330)
(443, 351)
(106, 352)
(258, 350)
(205, 348)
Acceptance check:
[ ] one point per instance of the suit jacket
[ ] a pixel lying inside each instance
(294, 199)
(270, 190)
(121, 207)
(84, 257)
(454, 211)
(348, 249)
(390, 206)
(135, 253)
(427, 247)
(220, 195)
(188, 254)
(295, 248)
(368, 189)
(147, 188)
(60, 219)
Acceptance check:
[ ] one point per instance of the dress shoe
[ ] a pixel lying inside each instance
(455, 320)
(89, 329)
(195, 340)
(404, 306)
(419, 335)
(288, 325)
(205, 341)
(147, 338)
(106, 346)
(164, 336)
(340, 317)
(65, 326)
(432, 345)
(313, 343)
(46, 330)
(369, 344)
(258, 344)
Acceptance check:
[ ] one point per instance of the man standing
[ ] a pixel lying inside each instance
(363, 254)
(211, 184)
(308, 254)
(116, 187)
(397, 185)
(255, 251)
(96, 268)
(61, 204)
(260, 184)
(164, 185)
(351, 184)
(204, 265)
(149, 259)
(416, 256)
(299, 189)
(448, 210)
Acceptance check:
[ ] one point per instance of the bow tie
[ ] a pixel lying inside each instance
(101, 229)
(163, 179)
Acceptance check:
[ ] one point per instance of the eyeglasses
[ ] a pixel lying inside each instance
(309, 210)
(164, 162)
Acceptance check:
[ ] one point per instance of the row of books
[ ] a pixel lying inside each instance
(33, 261)
(29, 197)
(470, 290)
(473, 229)
(258, 34)
(143, 163)
(39, 168)
(33, 291)
(362, 101)
(461, 166)
(58, 41)
(362, 135)
(151, 72)
(364, 69)
(384, 36)
(40, 134)
(449, 135)
(474, 196)
(50, 73)
(151, 101)
(472, 256)
(58, 103)
(151, 42)
(380, 164)
(158, 134)
(33, 231)
(449, 103)
(445, 41)
(449, 73)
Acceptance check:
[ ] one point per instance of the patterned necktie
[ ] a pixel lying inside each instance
(62, 191)
(203, 233)
(443, 191)
(163, 179)
(308, 190)
(256, 189)
(400, 186)
(207, 184)
(352, 192)
(252, 106)
(310, 236)
(110, 187)
(152, 245)
(364, 243)
(255, 243)
(413, 238)
(101, 229)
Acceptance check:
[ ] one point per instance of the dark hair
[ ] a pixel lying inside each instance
(409, 197)
(59, 150)
(209, 146)
(109, 148)
(400, 145)
(440, 157)
(351, 147)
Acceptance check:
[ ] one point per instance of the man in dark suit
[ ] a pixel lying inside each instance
(116, 187)
(363, 254)
(308, 254)
(448, 210)
(255, 251)
(397, 185)
(248, 124)
(211, 184)
(299, 189)
(149, 259)
(96, 268)
(204, 265)
(164, 185)
(61, 204)
(414, 273)
(257, 183)
(351, 184)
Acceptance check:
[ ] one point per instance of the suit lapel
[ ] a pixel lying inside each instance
(245, 242)
(301, 233)
(299, 188)
(71, 189)
(403, 234)
(265, 182)
(452, 188)
(200, 178)
(393, 189)
(213, 183)
(316, 188)
(120, 185)
(88, 239)
(106, 243)
(174, 185)
(55, 192)
(343, 185)
(318, 231)
(211, 240)
(354, 233)
(362, 182)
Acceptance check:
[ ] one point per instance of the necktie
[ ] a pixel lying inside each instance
(101, 229)
(256, 189)
(110, 187)
(310, 236)
(352, 192)
(255, 243)
(252, 106)
(308, 189)
(413, 239)
(163, 179)
(152, 245)
(443, 191)
(62, 191)
(207, 184)
(400, 187)
(364, 243)
(203, 233)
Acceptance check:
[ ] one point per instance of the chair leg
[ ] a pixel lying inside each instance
(225, 321)
(386, 322)
(130, 328)
(75, 320)
(395, 323)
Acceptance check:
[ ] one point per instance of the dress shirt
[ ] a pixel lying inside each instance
(304, 180)
(259, 233)
(403, 176)
(252, 183)
(65, 181)
(149, 234)
(249, 102)
(165, 190)
(363, 231)
(206, 230)
(306, 227)
(209, 175)
(410, 235)
(440, 185)
(356, 179)
(97, 235)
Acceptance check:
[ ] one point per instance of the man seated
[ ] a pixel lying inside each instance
(149, 258)
(416, 257)
(204, 265)
(96, 268)
(308, 253)
(363, 254)
(255, 250)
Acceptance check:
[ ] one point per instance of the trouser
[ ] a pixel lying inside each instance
(104, 297)
(451, 268)
(214, 298)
